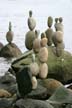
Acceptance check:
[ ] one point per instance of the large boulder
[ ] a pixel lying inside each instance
(10, 50)
(60, 68)
(30, 103)
(61, 97)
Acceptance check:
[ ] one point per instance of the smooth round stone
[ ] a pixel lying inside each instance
(43, 70)
(9, 36)
(31, 23)
(36, 45)
(34, 82)
(44, 42)
(50, 21)
(34, 68)
(59, 36)
(29, 38)
(49, 34)
(43, 54)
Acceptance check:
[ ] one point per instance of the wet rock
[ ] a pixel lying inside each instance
(8, 82)
(10, 50)
(8, 78)
(30, 103)
(6, 103)
(4, 93)
(24, 82)
(39, 93)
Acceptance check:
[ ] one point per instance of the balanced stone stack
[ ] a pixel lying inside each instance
(49, 31)
(58, 37)
(30, 35)
(43, 57)
(11, 49)
(9, 35)
(34, 69)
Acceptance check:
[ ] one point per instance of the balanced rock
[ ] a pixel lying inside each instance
(44, 40)
(10, 50)
(31, 21)
(36, 42)
(43, 54)
(56, 23)
(9, 35)
(49, 34)
(34, 82)
(57, 37)
(50, 21)
(29, 38)
(43, 70)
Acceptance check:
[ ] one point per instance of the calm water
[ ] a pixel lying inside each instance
(16, 11)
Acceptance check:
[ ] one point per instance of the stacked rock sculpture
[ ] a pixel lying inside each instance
(43, 57)
(30, 36)
(36, 42)
(49, 31)
(9, 35)
(34, 69)
(58, 42)
(58, 37)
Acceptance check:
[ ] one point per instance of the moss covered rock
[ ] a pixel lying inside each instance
(59, 68)
(10, 50)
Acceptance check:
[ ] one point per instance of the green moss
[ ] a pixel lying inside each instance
(60, 68)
